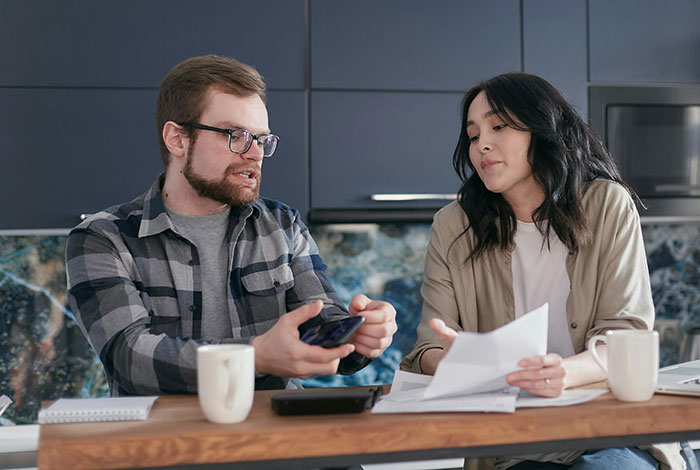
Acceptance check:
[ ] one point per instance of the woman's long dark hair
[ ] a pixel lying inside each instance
(564, 154)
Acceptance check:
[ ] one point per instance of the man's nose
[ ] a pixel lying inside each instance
(254, 153)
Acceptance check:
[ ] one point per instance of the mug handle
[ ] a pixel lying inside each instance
(591, 347)
(233, 368)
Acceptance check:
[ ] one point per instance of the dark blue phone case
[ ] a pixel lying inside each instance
(333, 333)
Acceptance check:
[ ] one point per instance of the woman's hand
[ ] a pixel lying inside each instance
(540, 375)
(432, 357)
(445, 334)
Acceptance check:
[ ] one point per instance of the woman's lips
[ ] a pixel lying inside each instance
(486, 164)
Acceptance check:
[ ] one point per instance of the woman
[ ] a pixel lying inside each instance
(542, 216)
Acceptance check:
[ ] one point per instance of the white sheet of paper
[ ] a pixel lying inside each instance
(479, 362)
(471, 376)
(408, 386)
(568, 397)
(494, 402)
(406, 396)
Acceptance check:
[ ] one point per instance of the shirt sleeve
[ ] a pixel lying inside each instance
(310, 284)
(438, 300)
(104, 294)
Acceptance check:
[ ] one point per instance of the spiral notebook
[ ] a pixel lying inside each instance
(79, 410)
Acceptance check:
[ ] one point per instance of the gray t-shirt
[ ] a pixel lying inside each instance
(208, 233)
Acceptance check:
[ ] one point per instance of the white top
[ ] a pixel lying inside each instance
(540, 276)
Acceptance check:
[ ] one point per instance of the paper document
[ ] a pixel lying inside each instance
(472, 375)
(479, 362)
(407, 390)
(567, 397)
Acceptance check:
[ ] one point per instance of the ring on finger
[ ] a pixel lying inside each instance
(546, 383)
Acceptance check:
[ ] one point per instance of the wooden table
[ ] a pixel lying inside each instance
(177, 435)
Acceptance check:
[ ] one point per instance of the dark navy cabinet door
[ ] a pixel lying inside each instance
(134, 43)
(365, 143)
(79, 84)
(644, 41)
(68, 152)
(286, 174)
(554, 47)
(412, 44)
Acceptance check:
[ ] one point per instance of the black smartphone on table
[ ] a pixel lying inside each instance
(333, 333)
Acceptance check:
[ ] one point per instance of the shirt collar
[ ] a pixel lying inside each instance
(156, 220)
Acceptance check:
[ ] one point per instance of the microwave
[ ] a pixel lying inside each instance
(653, 133)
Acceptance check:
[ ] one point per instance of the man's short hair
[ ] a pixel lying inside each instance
(182, 91)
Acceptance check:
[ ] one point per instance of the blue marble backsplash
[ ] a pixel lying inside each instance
(43, 355)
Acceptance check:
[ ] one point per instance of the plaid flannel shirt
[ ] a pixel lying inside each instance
(134, 285)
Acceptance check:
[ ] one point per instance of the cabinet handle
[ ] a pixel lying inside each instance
(677, 188)
(412, 197)
(84, 216)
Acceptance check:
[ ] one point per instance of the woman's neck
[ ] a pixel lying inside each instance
(524, 200)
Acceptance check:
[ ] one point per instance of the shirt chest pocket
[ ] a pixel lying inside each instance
(273, 282)
(265, 297)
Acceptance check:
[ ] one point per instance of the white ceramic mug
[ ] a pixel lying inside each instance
(226, 381)
(633, 362)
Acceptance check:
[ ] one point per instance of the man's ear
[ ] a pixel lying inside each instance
(175, 139)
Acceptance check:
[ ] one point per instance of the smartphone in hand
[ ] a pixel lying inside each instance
(333, 333)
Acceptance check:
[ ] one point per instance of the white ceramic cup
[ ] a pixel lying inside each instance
(226, 381)
(633, 362)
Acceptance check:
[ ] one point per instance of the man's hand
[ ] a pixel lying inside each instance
(280, 351)
(376, 333)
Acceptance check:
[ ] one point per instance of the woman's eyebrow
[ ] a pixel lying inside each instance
(487, 114)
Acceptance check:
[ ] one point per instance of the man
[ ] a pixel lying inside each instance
(200, 258)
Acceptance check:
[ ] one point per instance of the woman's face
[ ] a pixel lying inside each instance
(499, 153)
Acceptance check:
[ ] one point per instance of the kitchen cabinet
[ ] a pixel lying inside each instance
(67, 152)
(554, 47)
(79, 89)
(72, 151)
(412, 44)
(644, 41)
(79, 43)
(387, 80)
(285, 176)
(366, 143)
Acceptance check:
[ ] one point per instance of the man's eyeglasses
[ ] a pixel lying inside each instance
(240, 140)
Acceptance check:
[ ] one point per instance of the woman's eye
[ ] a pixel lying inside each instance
(474, 139)
(499, 127)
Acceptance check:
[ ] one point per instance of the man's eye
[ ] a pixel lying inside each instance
(499, 127)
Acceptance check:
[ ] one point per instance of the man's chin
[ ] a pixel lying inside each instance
(224, 191)
(240, 197)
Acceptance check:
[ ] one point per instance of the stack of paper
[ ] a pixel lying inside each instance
(472, 375)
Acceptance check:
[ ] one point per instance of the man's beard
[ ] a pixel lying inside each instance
(222, 190)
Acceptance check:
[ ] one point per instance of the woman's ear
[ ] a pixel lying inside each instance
(175, 139)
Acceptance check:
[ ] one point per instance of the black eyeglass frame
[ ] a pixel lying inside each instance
(230, 132)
